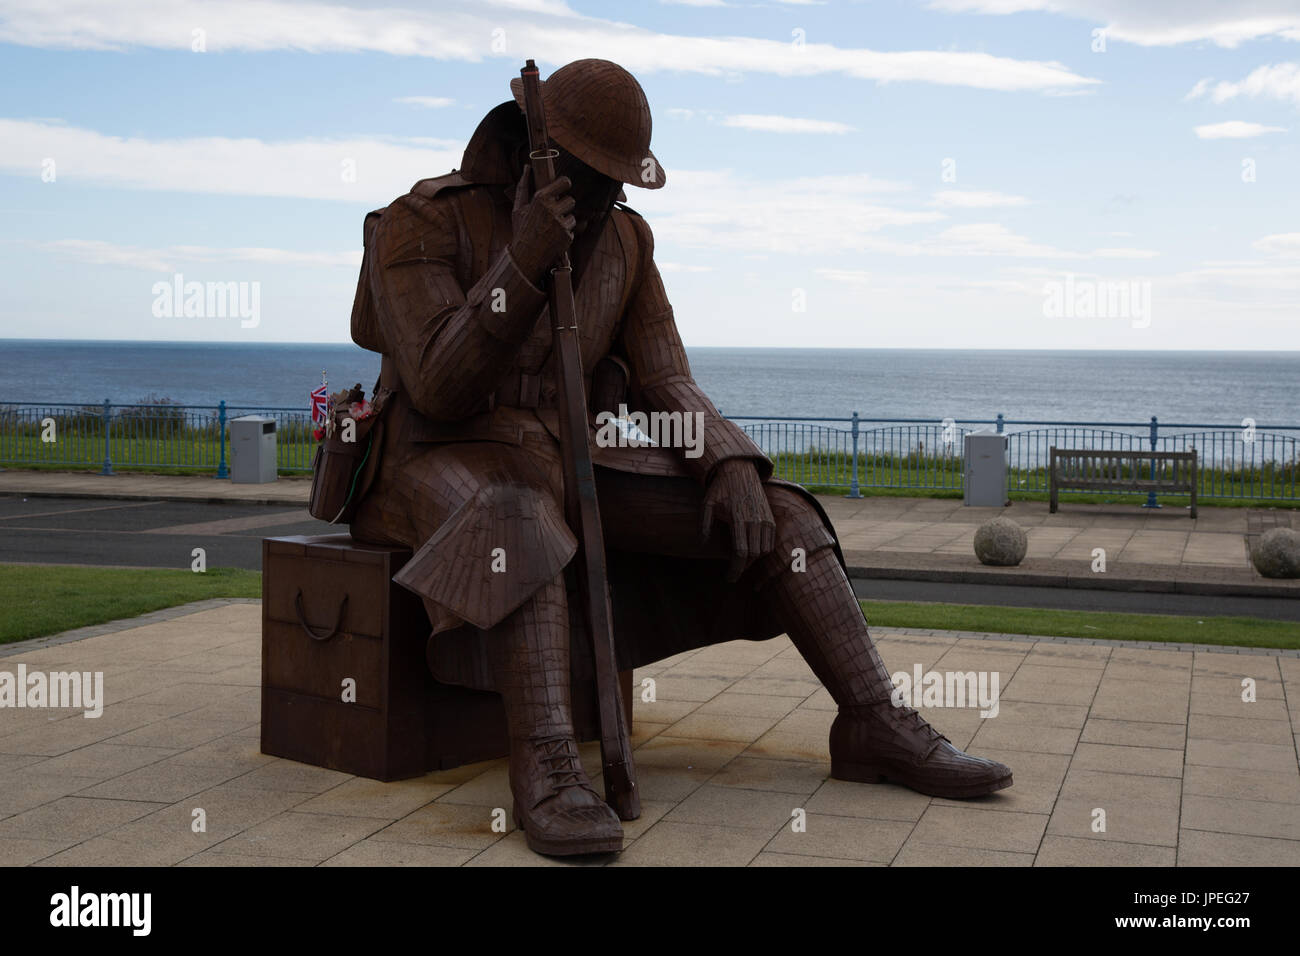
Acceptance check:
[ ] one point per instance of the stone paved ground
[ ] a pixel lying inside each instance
(929, 538)
(1160, 740)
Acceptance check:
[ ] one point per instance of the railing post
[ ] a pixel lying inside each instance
(108, 456)
(221, 439)
(1155, 437)
(854, 490)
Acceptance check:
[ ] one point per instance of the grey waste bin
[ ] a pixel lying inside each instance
(252, 449)
(986, 470)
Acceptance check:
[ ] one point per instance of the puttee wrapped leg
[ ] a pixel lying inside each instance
(554, 802)
(871, 739)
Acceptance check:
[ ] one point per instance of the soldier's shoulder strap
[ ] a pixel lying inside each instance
(422, 194)
(428, 188)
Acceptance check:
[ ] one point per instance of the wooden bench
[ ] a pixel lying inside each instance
(1155, 472)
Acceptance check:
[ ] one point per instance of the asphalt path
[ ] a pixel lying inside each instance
(164, 534)
(1080, 599)
(154, 534)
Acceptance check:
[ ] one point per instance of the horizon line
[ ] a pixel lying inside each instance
(791, 348)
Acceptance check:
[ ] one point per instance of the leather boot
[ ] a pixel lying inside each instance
(871, 740)
(554, 802)
(879, 743)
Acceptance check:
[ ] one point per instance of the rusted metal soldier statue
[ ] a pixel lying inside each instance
(704, 544)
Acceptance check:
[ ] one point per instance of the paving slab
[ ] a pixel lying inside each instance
(733, 764)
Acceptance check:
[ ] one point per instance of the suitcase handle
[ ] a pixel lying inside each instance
(302, 618)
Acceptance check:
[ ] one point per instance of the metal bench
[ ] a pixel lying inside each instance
(1155, 472)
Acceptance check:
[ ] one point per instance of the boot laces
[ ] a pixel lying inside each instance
(908, 716)
(559, 754)
(913, 716)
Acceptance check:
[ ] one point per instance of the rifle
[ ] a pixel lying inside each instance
(580, 506)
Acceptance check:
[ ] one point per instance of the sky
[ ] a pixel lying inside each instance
(1038, 174)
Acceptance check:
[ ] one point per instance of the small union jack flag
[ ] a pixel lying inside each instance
(320, 404)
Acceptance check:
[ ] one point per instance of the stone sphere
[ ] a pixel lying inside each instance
(1001, 542)
(1277, 554)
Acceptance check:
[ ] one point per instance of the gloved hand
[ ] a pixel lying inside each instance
(736, 491)
(543, 225)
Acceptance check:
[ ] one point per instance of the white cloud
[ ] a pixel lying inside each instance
(550, 32)
(1269, 284)
(1124, 252)
(554, 7)
(989, 285)
(988, 239)
(1236, 129)
(1285, 244)
(828, 216)
(995, 239)
(974, 199)
(310, 169)
(99, 252)
(681, 267)
(810, 215)
(784, 124)
(1280, 81)
(431, 102)
(852, 183)
(813, 215)
(1160, 22)
(852, 276)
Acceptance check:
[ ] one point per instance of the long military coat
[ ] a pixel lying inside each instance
(469, 459)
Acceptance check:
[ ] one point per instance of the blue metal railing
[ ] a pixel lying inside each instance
(150, 436)
(1262, 461)
(922, 454)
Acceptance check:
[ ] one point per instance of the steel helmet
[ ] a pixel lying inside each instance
(597, 111)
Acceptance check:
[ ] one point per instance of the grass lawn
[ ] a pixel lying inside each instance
(46, 599)
(192, 456)
(1235, 631)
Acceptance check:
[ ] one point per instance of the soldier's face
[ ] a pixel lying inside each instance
(593, 193)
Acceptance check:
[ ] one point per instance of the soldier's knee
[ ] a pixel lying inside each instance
(524, 514)
(800, 532)
(507, 541)
(798, 523)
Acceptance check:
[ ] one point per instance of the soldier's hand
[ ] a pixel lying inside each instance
(543, 224)
(736, 493)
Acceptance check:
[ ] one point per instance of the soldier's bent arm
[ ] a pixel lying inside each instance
(660, 371)
(452, 346)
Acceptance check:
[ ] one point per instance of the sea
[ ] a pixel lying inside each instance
(931, 384)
